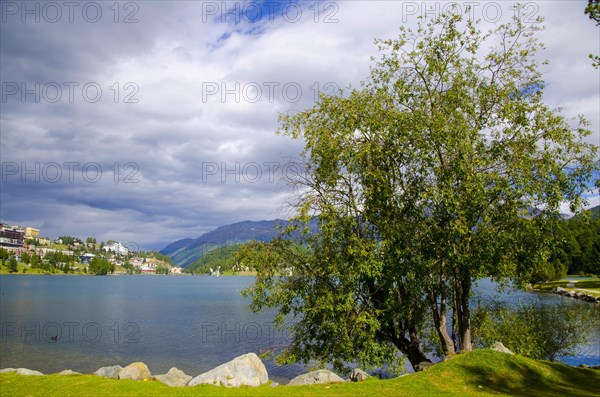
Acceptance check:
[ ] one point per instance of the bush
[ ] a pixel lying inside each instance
(534, 330)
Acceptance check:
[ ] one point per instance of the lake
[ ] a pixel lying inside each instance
(51, 323)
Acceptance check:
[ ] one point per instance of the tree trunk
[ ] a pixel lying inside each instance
(439, 318)
(466, 344)
(412, 351)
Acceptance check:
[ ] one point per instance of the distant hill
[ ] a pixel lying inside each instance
(222, 258)
(186, 251)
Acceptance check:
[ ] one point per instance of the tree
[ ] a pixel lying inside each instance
(12, 265)
(36, 261)
(100, 266)
(68, 240)
(444, 167)
(25, 258)
(4, 255)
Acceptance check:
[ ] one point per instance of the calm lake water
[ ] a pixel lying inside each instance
(193, 323)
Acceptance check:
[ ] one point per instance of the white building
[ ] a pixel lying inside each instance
(117, 248)
(175, 270)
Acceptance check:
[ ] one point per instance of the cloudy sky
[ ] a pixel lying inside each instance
(150, 121)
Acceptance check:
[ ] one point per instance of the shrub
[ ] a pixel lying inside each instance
(533, 329)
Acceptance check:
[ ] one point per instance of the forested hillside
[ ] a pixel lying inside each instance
(579, 249)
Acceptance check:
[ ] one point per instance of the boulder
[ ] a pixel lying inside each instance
(68, 372)
(111, 372)
(5, 370)
(246, 370)
(135, 371)
(499, 347)
(25, 371)
(274, 384)
(174, 377)
(320, 376)
(358, 375)
(560, 290)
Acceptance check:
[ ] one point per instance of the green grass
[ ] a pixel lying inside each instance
(481, 373)
(28, 270)
(590, 285)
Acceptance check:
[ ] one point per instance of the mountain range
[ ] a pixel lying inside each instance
(188, 250)
(185, 251)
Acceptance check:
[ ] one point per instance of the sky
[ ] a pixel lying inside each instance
(150, 121)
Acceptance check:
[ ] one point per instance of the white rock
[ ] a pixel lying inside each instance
(68, 372)
(499, 347)
(316, 377)
(246, 370)
(25, 371)
(135, 371)
(111, 372)
(358, 375)
(174, 377)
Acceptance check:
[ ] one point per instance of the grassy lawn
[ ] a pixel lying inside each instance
(481, 373)
(589, 285)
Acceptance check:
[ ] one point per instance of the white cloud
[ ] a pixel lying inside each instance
(173, 55)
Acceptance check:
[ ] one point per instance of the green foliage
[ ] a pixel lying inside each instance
(100, 266)
(593, 11)
(444, 167)
(69, 240)
(130, 269)
(90, 240)
(578, 247)
(35, 261)
(4, 255)
(12, 265)
(162, 270)
(535, 330)
(25, 258)
(223, 257)
(159, 256)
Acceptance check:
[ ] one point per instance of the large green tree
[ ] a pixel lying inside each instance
(445, 166)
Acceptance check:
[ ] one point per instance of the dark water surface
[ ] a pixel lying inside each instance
(193, 323)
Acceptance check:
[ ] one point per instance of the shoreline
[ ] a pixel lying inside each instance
(586, 289)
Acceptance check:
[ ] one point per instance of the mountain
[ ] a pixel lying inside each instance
(176, 245)
(184, 252)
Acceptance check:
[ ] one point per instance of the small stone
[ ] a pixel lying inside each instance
(274, 384)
